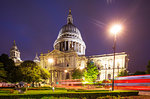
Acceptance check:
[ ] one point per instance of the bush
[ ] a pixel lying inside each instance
(71, 90)
(81, 90)
(23, 89)
(7, 90)
(45, 88)
(39, 88)
(60, 88)
(79, 95)
(99, 87)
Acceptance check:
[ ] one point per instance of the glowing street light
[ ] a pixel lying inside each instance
(82, 67)
(50, 60)
(65, 71)
(115, 30)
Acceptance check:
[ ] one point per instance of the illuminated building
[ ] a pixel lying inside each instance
(69, 54)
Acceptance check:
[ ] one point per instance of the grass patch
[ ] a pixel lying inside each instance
(87, 94)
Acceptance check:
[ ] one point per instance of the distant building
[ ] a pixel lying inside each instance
(69, 54)
(36, 59)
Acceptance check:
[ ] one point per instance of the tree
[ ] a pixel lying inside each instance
(91, 72)
(44, 74)
(16, 75)
(2, 72)
(123, 73)
(8, 66)
(148, 68)
(31, 72)
(77, 74)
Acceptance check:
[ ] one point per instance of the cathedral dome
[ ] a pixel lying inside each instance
(69, 28)
(69, 38)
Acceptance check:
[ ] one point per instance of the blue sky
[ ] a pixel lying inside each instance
(35, 25)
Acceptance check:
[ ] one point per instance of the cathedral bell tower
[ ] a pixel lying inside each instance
(14, 53)
(36, 59)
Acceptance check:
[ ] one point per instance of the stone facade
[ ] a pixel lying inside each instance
(63, 64)
(104, 64)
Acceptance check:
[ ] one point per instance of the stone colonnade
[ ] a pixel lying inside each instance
(57, 75)
(70, 45)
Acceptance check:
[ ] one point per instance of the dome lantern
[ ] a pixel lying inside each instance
(69, 18)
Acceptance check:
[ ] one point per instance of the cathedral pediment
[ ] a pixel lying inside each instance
(55, 51)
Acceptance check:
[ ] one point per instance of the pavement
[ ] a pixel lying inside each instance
(144, 93)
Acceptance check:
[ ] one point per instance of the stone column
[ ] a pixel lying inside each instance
(83, 49)
(75, 47)
(69, 75)
(79, 48)
(64, 76)
(64, 45)
(68, 45)
(60, 75)
(71, 44)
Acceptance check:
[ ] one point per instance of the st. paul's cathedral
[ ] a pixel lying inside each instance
(69, 54)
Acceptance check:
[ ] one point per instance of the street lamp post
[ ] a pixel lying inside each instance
(114, 48)
(115, 29)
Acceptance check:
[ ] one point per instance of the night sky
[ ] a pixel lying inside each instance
(35, 24)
